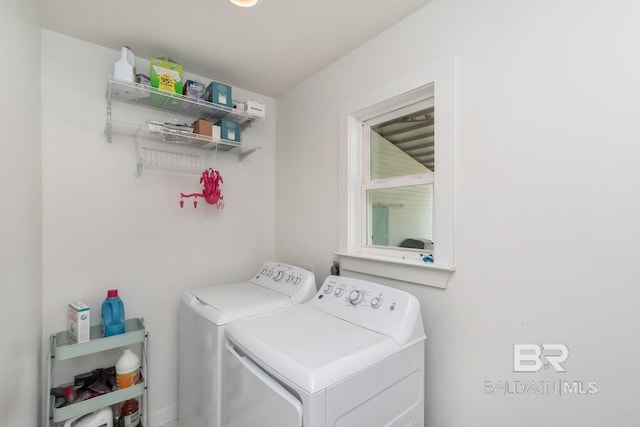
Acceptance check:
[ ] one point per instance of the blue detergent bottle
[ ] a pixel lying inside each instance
(113, 314)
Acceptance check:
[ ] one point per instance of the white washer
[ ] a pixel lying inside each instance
(202, 319)
(352, 356)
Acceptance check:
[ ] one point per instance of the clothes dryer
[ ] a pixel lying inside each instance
(203, 316)
(351, 356)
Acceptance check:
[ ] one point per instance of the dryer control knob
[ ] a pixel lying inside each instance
(355, 297)
(289, 278)
(296, 280)
(279, 275)
(328, 289)
(339, 291)
(269, 273)
(376, 302)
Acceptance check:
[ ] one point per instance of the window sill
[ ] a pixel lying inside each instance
(405, 270)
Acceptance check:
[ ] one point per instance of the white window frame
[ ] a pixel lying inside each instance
(437, 80)
(367, 183)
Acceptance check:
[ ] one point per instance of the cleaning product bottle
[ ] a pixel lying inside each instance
(124, 68)
(130, 414)
(127, 369)
(100, 418)
(113, 314)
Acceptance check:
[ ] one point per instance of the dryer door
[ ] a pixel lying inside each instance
(253, 398)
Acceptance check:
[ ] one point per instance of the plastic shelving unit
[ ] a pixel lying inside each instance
(61, 348)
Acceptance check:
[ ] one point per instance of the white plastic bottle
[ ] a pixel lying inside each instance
(101, 418)
(124, 68)
(127, 369)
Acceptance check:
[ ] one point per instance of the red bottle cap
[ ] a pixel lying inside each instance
(112, 293)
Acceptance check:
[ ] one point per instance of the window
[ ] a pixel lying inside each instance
(397, 183)
(397, 179)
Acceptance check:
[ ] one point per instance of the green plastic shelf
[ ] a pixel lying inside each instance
(65, 349)
(93, 404)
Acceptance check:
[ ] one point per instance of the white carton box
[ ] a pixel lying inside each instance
(239, 105)
(254, 109)
(78, 322)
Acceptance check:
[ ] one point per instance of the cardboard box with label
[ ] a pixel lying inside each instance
(254, 109)
(165, 75)
(219, 93)
(229, 130)
(194, 89)
(78, 322)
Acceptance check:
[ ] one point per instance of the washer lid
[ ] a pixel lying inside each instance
(309, 347)
(225, 303)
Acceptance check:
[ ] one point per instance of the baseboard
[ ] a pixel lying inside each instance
(166, 417)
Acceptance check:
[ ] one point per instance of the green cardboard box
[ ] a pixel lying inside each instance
(165, 75)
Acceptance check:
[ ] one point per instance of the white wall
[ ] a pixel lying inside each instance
(20, 213)
(103, 228)
(546, 195)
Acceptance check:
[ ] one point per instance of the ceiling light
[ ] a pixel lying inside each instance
(245, 3)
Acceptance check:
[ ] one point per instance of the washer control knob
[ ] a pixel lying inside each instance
(339, 291)
(269, 273)
(376, 302)
(289, 278)
(279, 275)
(297, 280)
(328, 289)
(355, 297)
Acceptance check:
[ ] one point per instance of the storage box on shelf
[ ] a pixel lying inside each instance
(166, 74)
(219, 93)
(63, 348)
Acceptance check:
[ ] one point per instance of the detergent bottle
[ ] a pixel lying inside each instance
(124, 68)
(127, 369)
(113, 314)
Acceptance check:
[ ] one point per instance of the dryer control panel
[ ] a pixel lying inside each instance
(296, 282)
(383, 309)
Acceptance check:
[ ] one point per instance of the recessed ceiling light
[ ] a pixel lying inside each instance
(245, 3)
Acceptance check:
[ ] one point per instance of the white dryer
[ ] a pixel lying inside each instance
(202, 318)
(352, 356)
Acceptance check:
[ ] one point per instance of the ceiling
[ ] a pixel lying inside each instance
(412, 133)
(267, 49)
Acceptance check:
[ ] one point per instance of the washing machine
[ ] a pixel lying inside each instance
(351, 356)
(203, 316)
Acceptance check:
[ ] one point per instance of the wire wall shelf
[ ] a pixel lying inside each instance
(136, 93)
(168, 161)
(182, 158)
